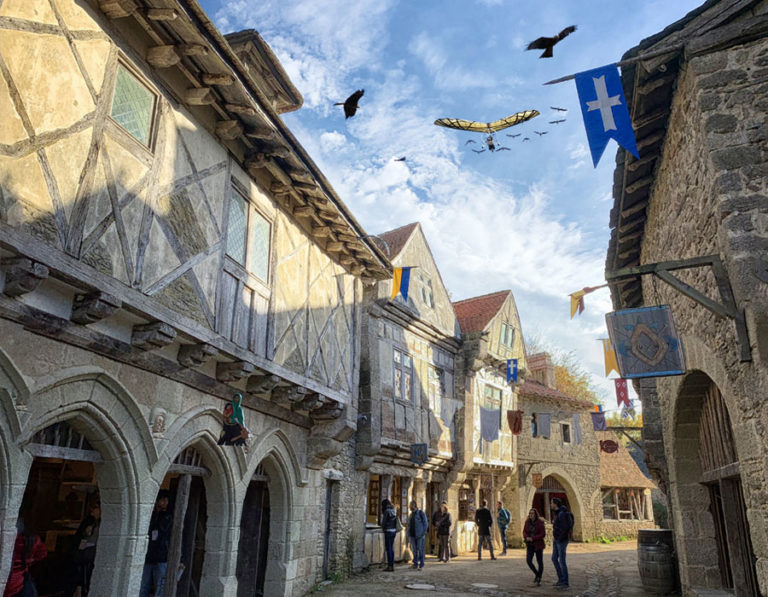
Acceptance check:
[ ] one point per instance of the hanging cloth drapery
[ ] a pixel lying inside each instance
(544, 422)
(515, 420)
(598, 421)
(489, 424)
(576, 429)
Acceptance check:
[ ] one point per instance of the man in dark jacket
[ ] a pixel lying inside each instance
(417, 533)
(484, 521)
(502, 520)
(156, 561)
(561, 531)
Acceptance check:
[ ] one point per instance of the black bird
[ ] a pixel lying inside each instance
(547, 43)
(478, 150)
(470, 141)
(350, 104)
(526, 138)
(557, 121)
(513, 136)
(402, 159)
(502, 149)
(540, 134)
(559, 109)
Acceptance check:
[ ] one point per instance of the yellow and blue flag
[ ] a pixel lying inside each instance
(611, 364)
(601, 97)
(401, 277)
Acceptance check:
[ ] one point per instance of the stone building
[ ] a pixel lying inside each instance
(491, 334)
(697, 197)
(407, 396)
(165, 242)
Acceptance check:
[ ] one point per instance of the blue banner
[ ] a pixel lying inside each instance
(512, 370)
(601, 97)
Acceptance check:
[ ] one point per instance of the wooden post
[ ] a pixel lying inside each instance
(174, 549)
(189, 539)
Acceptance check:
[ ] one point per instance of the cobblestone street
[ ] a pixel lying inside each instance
(595, 569)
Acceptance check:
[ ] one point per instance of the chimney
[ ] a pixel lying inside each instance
(542, 369)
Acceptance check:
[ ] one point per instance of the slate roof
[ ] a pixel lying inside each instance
(475, 313)
(619, 469)
(395, 239)
(534, 389)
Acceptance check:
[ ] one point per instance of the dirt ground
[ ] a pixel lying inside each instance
(595, 570)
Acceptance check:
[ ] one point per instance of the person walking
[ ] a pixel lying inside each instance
(502, 520)
(27, 550)
(561, 531)
(484, 521)
(533, 534)
(388, 521)
(156, 560)
(417, 533)
(442, 521)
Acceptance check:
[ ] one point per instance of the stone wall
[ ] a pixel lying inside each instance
(710, 198)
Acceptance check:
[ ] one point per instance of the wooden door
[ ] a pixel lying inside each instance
(254, 541)
(327, 534)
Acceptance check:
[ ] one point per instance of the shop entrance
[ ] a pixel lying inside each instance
(550, 489)
(61, 511)
(254, 538)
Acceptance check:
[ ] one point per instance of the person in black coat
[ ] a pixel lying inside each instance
(561, 531)
(484, 522)
(442, 522)
(156, 561)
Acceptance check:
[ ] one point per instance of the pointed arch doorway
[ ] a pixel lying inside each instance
(254, 537)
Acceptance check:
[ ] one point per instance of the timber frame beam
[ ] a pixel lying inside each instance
(725, 309)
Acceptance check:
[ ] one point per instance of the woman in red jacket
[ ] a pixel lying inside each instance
(534, 533)
(27, 550)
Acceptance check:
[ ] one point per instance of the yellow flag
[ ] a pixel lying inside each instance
(577, 302)
(611, 363)
(397, 273)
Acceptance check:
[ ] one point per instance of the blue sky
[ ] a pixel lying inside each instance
(533, 219)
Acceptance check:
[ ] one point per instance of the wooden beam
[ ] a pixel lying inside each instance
(227, 372)
(199, 96)
(304, 211)
(222, 79)
(321, 231)
(177, 532)
(163, 56)
(161, 14)
(262, 133)
(192, 49)
(334, 247)
(229, 129)
(118, 9)
(22, 275)
(240, 109)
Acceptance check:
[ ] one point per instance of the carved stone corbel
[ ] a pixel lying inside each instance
(22, 275)
(152, 335)
(117, 9)
(227, 372)
(311, 402)
(261, 384)
(288, 394)
(95, 306)
(229, 129)
(328, 411)
(320, 449)
(163, 56)
(194, 355)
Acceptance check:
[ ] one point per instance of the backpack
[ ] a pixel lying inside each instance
(503, 517)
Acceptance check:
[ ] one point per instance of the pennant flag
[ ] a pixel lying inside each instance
(610, 357)
(601, 96)
(577, 298)
(598, 421)
(627, 413)
(515, 420)
(622, 396)
(400, 279)
(512, 370)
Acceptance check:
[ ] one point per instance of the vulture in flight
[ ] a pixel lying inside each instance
(350, 104)
(547, 43)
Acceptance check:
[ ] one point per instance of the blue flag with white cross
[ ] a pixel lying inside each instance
(604, 109)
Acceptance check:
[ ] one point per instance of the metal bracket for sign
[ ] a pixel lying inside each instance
(625, 432)
(725, 309)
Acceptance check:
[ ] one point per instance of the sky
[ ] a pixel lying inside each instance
(533, 219)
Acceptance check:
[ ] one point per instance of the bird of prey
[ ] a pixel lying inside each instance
(478, 150)
(540, 133)
(513, 136)
(526, 138)
(470, 141)
(547, 43)
(350, 104)
(557, 121)
(402, 159)
(559, 109)
(502, 149)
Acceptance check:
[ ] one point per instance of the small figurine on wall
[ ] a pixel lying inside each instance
(235, 433)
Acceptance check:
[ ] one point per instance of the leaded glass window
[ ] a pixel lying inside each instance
(238, 225)
(403, 374)
(258, 246)
(248, 237)
(133, 105)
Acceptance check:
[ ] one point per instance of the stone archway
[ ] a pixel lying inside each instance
(712, 530)
(99, 408)
(564, 481)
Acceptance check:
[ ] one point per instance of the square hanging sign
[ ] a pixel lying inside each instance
(419, 453)
(646, 342)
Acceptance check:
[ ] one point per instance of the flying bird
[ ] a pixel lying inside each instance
(470, 141)
(478, 150)
(540, 133)
(547, 43)
(513, 136)
(350, 104)
(559, 109)
(402, 159)
(502, 149)
(526, 138)
(557, 121)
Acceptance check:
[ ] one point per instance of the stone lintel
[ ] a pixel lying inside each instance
(194, 355)
(152, 335)
(262, 384)
(233, 371)
(95, 306)
(22, 275)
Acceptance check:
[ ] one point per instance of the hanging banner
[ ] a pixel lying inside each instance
(598, 421)
(610, 357)
(512, 370)
(515, 421)
(646, 342)
(622, 393)
(401, 277)
(419, 453)
(536, 480)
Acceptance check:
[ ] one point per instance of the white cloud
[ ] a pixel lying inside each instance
(445, 72)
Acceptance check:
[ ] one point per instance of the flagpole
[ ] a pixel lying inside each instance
(626, 62)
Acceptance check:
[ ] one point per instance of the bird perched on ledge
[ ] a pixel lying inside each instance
(547, 43)
(350, 104)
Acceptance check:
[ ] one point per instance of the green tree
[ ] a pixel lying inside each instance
(570, 376)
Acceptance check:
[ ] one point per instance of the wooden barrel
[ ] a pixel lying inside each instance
(656, 560)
